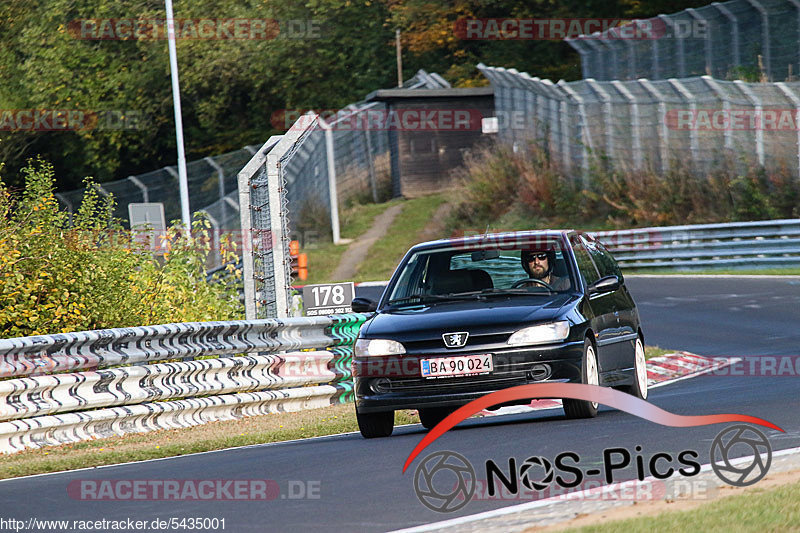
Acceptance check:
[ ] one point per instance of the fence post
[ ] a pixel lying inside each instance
(370, 166)
(585, 135)
(142, 187)
(678, 43)
(656, 73)
(734, 25)
(220, 184)
(689, 97)
(765, 42)
(726, 106)
(709, 55)
(756, 101)
(635, 123)
(553, 136)
(796, 101)
(334, 198)
(607, 111)
(600, 68)
(663, 140)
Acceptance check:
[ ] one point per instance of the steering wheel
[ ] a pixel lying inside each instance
(522, 282)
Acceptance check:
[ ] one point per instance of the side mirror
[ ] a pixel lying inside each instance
(363, 305)
(606, 284)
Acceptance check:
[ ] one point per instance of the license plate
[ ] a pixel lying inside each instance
(462, 365)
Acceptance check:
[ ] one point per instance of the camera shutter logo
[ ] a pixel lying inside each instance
(451, 467)
(456, 339)
(525, 473)
(738, 439)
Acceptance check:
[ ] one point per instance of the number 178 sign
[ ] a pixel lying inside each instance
(328, 298)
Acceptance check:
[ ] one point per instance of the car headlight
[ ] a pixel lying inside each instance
(541, 334)
(364, 347)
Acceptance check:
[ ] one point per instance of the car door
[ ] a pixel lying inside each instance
(604, 323)
(623, 331)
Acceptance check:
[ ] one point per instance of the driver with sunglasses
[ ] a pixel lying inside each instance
(539, 266)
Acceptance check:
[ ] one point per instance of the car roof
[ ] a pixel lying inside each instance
(498, 237)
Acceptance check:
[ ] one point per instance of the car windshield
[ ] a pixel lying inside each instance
(531, 266)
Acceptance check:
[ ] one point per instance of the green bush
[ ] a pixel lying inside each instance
(57, 276)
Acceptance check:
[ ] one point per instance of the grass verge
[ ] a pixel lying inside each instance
(387, 252)
(757, 510)
(355, 220)
(275, 427)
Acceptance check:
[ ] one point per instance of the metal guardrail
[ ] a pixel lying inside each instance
(760, 244)
(45, 401)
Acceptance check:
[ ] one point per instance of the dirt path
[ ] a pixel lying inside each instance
(358, 249)
(435, 227)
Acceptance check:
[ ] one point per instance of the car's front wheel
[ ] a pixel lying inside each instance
(431, 416)
(374, 425)
(590, 376)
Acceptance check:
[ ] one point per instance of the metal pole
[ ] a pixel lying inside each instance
(662, 111)
(220, 186)
(765, 40)
(334, 199)
(608, 115)
(796, 102)
(756, 101)
(734, 26)
(399, 52)
(689, 97)
(142, 187)
(726, 107)
(635, 123)
(176, 100)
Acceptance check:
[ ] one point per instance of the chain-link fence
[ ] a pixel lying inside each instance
(755, 40)
(211, 180)
(696, 122)
(348, 155)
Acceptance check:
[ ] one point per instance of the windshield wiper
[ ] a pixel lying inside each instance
(428, 298)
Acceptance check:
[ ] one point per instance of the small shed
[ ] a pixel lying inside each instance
(429, 132)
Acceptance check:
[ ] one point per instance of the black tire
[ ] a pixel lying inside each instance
(431, 416)
(375, 425)
(639, 387)
(589, 375)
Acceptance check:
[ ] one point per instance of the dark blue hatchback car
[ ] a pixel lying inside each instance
(461, 318)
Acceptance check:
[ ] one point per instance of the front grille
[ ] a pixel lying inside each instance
(462, 384)
(474, 342)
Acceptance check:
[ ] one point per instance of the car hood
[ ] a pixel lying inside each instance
(494, 315)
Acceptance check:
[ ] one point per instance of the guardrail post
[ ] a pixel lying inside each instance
(756, 101)
(689, 97)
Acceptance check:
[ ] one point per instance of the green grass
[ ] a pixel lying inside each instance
(169, 443)
(385, 254)
(758, 511)
(655, 351)
(354, 221)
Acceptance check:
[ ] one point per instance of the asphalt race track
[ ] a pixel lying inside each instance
(360, 483)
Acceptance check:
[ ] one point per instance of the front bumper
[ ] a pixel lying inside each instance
(390, 383)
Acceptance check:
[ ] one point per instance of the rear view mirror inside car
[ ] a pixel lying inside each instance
(482, 255)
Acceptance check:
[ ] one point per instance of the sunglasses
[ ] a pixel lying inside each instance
(540, 257)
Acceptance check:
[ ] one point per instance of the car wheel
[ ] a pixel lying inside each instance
(431, 416)
(639, 387)
(374, 425)
(590, 376)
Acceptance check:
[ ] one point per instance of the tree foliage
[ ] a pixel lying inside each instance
(59, 277)
(231, 88)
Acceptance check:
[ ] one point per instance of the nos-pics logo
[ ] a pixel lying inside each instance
(445, 481)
